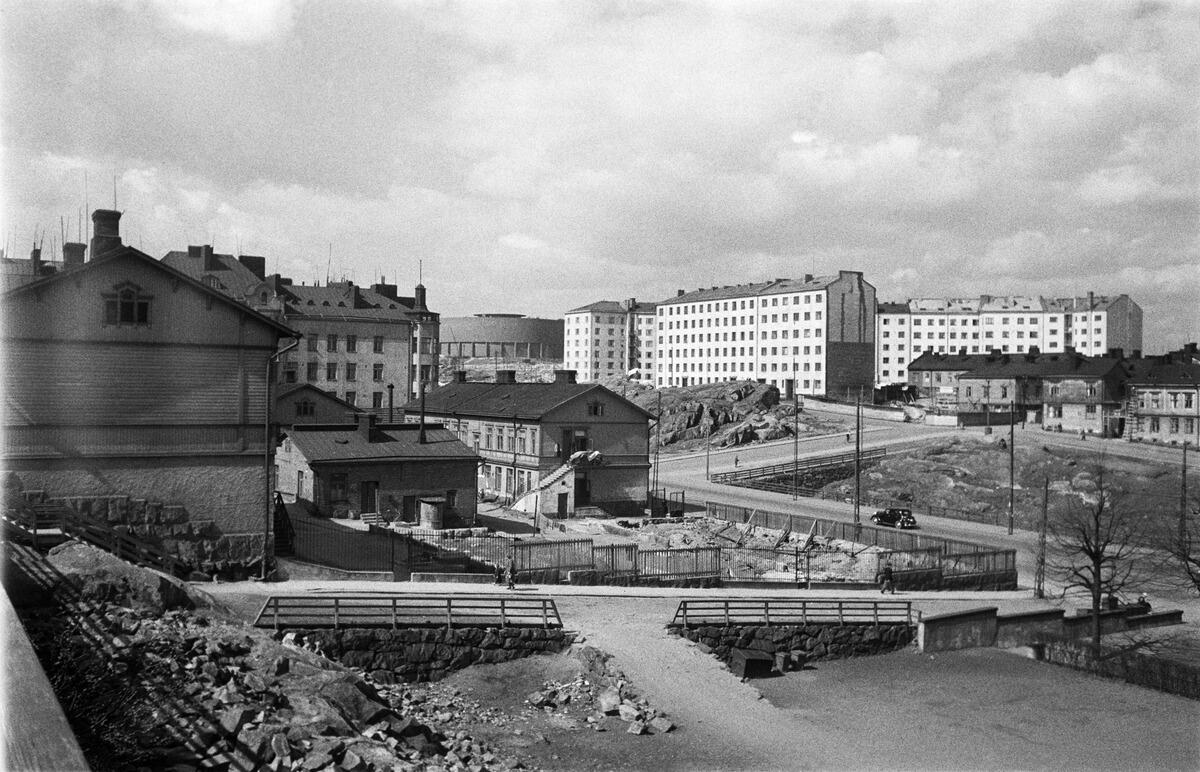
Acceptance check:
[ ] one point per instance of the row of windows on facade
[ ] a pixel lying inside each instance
(725, 336)
(307, 408)
(351, 341)
(1173, 399)
(806, 384)
(312, 371)
(741, 351)
(989, 320)
(732, 305)
(726, 367)
(1173, 425)
(600, 319)
(1004, 334)
(339, 494)
(500, 479)
(734, 321)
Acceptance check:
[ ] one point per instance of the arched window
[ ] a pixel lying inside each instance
(127, 305)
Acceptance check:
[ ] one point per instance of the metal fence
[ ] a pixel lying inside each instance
(791, 468)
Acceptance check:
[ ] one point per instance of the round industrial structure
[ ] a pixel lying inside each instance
(501, 336)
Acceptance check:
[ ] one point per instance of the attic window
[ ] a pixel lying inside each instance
(127, 305)
(324, 302)
(311, 303)
(342, 303)
(595, 409)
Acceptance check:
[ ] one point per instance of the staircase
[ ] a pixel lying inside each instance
(525, 500)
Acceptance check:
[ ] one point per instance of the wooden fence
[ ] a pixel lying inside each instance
(396, 611)
(790, 611)
(671, 565)
(791, 468)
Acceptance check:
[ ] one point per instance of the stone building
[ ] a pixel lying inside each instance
(1163, 398)
(813, 335)
(590, 443)
(344, 470)
(304, 403)
(608, 339)
(140, 395)
(356, 340)
(501, 337)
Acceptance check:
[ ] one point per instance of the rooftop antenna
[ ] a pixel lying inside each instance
(87, 224)
(114, 191)
(420, 271)
(79, 226)
(328, 263)
(62, 229)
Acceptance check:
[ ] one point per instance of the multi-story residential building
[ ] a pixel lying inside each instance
(548, 447)
(813, 335)
(358, 341)
(934, 377)
(1163, 398)
(606, 338)
(1012, 325)
(136, 393)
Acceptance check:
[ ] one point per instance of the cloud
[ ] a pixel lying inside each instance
(235, 20)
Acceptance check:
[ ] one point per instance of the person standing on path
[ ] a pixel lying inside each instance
(886, 580)
(736, 461)
(512, 572)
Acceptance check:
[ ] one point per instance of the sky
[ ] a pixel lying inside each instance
(532, 157)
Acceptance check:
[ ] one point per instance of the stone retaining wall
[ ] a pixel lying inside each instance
(813, 641)
(1132, 667)
(429, 654)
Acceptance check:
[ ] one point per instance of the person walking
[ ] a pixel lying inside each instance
(847, 437)
(886, 580)
(736, 461)
(512, 572)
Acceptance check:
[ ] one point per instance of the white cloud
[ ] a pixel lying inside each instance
(240, 21)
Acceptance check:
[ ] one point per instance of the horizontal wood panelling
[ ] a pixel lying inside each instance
(69, 441)
(115, 384)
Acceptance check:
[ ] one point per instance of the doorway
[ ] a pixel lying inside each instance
(368, 493)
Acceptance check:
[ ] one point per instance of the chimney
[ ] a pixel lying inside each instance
(1116, 353)
(366, 425)
(256, 264)
(460, 376)
(193, 251)
(106, 231)
(1137, 353)
(679, 293)
(211, 263)
(1091, 300)
(385, 289)
(628, 303)
(35, 259)
(808, 277)
(564, 376)
(73, 253)
(506, 376)
(419, 298)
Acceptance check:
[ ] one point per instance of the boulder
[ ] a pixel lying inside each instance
(101, 576)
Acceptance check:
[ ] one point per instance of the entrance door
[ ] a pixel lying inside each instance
(563, 501)
(583, 491)
(368, 492)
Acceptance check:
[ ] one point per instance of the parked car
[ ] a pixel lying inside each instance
(896, 518)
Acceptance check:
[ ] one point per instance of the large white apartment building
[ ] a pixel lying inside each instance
(814, 335)
(607, 338)
(1091, 325)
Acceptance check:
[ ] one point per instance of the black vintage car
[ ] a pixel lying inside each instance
(896, 518)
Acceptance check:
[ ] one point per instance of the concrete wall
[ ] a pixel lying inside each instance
(826, 641)
(964, 630)
(429, 654)
(1024, 629)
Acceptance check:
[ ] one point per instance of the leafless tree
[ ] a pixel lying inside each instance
(1182, 543)
(1096, 542)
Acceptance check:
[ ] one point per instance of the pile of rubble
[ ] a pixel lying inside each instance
(600, 692)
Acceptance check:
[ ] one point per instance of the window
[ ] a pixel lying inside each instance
(377, 344)
(352, 343)
(377, 371)
(305, 408)
(377, 399)
(331, 371)
(1089, 409)
(351, 397)
(351, 371)
(312, 370)
(127, 305)
(337, 487)
(331, 342)
(312, 342)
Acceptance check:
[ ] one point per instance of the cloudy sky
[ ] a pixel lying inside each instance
(537, 156)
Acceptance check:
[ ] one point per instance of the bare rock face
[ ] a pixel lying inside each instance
(99, 576)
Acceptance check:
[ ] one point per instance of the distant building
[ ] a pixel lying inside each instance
(340, 470)
(501, 336)
(1163, 398)
(16, 271)
(813, 335)
(139, 395)
(609, 339)
(357, 340)
(1014, 325)
(528, 434)
(304, 403)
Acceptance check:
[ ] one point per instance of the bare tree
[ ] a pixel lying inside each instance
(1096, 544)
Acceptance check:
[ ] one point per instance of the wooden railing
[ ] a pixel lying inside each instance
(121, 544)
(804, 464)
(791, 611)
(396, 611)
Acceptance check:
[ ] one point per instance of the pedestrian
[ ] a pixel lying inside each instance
(847, 436)
(499, 574)
(736, 461)
(886, 580)
(512, 572)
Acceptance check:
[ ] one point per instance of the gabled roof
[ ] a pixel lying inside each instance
(1067, 364)
(345, 300)
(294, 388)
(328, 443)
(931, 361)
(529, 401)
(776, 287)
(157, 265)
(1171, 370)
(232, 277)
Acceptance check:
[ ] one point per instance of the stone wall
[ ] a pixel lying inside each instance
(814, 641)
(934, 579)
(1133, 667)
(429, 654)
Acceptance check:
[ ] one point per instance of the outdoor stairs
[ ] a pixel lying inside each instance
(545, 482)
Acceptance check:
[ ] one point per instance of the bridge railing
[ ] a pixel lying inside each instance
(791, 611)
(774, 470)
(396, 611)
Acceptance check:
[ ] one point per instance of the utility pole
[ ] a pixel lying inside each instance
(707, 453)
(1039, 579)
(795, 432)
(657, 443)
(1012, 438)
(1183, 499)
(857, 457)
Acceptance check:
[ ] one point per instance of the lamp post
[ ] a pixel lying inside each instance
(795, 431)
(1012, 436)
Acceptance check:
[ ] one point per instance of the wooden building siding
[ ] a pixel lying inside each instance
(43, 441)
(92, 383)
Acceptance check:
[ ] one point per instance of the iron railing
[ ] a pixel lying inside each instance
(338, 611)
(804, 464)
(791, 611)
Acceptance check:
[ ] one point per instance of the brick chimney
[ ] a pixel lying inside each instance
(385, 289)
(73, 253)
(564, 376)
(256, 264)
(106, 231)
(211, 262)
(366, 425)
(419, 298)
(506, 376)
(460, 376)
(35, 260)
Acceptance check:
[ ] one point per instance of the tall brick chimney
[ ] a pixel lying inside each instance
(73, 253)
(106, 231)
(419, 298)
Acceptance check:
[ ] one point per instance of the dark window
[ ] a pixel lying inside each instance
(351, 371)
(377, 372)
(313, 370)
(377, 399)
(351, 343)
(337, 487)
(331, 342)
(408, 507)
(289, 375)
(595, 408)
(127, 306)
(312, 342)
(305, 408)
(377, 345)
(451, 499)
(351, 397)
(331, 371)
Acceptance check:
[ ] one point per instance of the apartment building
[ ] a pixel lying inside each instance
(607, 338)
(813, 335)
(360, 344)
(1163, 398)
(1011, 324)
